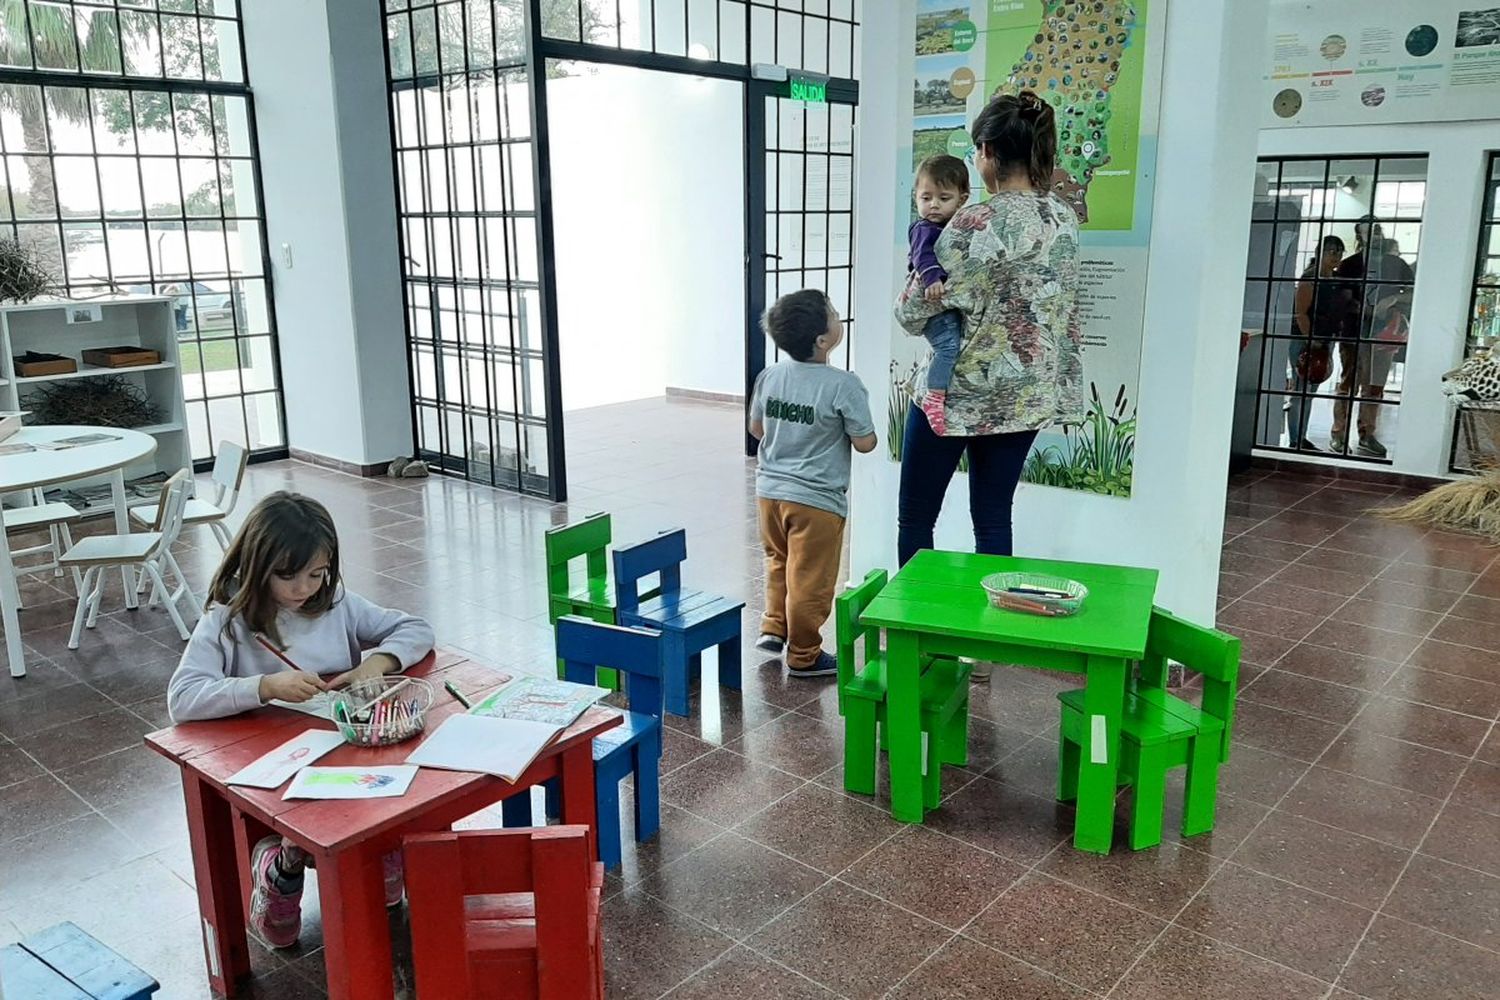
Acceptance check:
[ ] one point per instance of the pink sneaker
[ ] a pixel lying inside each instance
(395, 878)
(275, 916)
(932, 409)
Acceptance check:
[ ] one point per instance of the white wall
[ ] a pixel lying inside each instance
(318, 72)
(649, 220)
(1206, 154)
(1457, 153)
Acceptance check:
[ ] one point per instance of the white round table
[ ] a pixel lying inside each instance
(47, 467)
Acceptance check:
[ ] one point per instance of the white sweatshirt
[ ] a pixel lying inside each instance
(220, 674)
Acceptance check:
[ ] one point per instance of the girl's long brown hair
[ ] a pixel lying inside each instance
(1019, 131)
(281, 535)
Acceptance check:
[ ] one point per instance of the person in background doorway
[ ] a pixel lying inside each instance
(941, 188)
(1012, 266)
(1315, 317)
(1376, 292)
(806, 414)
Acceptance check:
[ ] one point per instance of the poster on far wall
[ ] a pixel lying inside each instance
(1098, 62)
(1351, 62)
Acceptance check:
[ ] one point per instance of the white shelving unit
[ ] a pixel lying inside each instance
(137, 320)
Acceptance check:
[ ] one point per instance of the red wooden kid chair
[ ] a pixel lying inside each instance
(506, 913)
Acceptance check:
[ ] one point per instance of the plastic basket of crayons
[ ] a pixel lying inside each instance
(382, 710)
(1034, 594)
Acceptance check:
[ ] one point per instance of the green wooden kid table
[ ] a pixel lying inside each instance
(936, 605)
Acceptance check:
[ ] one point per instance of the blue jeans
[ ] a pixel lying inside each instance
(943, 332)
(927, 466)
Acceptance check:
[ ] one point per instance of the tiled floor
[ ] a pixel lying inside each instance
(1355, 855)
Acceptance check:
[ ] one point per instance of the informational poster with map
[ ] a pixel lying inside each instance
(1350, 62)
(1098, 62)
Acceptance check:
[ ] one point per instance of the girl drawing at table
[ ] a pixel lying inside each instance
(279, 587)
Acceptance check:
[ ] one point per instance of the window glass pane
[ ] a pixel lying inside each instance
(87, 259)
(113, 121)
(128, 256)
(221, 50)
(153, 122)
(120, 181)
(77, 187)
(237, 184)
(141, 41)
(24, 130)
(53, 42)
(181, 49)
(194, 124)
(68, 120)
(200, 187)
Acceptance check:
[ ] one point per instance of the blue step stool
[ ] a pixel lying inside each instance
(632, 748)
(64, 963)
(690, 621)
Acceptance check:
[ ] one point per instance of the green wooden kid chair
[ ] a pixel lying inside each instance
(862, 699)
(1161, 731)
(591, 596)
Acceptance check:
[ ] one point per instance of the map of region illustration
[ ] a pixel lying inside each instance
(1075, 58)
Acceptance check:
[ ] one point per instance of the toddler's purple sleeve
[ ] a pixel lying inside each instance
(924, 236)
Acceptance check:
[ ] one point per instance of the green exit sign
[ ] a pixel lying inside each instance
(806, 88)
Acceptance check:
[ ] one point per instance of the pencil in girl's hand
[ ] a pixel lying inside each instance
(277, 653)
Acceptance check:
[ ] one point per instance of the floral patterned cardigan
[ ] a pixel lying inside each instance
(1012, 266)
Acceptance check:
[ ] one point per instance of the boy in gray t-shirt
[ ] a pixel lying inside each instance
(806, 414)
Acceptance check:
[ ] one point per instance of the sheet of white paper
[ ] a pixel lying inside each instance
(486, 745)
(319, 705)
(286, 760)
(384, 782)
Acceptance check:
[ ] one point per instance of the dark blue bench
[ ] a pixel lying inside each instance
(64, 963)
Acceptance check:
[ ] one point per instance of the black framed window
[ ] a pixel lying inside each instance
(1333, 256)
(1477, 435)
(809, 163)
(127, 156)
(465, 172)
(816, 36)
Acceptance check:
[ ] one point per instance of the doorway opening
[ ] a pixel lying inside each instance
(481, 99)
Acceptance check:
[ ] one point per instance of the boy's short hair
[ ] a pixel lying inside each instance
(796, 321)
(947, 172)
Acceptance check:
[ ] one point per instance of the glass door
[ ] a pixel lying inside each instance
(799, 204)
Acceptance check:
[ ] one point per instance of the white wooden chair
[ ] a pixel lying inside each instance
(55, 517)
(149, 551)
(228, 474)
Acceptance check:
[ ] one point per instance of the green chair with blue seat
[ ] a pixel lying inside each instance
(1161, 731)
(862, 699)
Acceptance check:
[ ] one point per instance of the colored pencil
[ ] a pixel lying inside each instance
(278, 653)
(448, 685)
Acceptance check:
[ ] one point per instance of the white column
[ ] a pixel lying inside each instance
(317, 68)
(1194, 291)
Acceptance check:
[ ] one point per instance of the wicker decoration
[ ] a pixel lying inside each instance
(1469, 505)
(107, 401)
(23, 276)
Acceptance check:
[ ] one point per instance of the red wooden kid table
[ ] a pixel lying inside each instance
(346, 838)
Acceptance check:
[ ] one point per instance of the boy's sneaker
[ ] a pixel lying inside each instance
(275, 915)
(824, 666)
(932, 409)
(395, 879)
(770, 643)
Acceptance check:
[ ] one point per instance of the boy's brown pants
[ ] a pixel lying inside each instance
(803, 545)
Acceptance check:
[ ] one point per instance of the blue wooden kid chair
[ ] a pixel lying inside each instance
(690, 621)
(633, 747)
